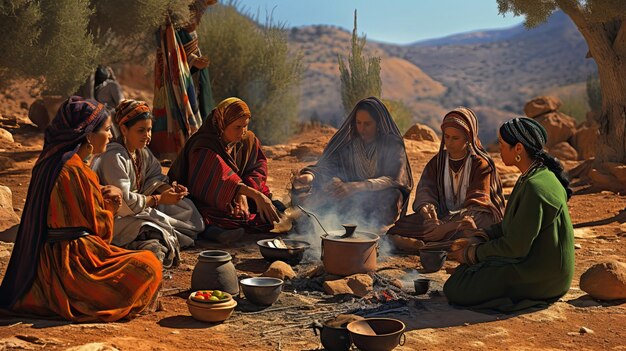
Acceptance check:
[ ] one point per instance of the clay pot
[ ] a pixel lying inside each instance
(333, 339)
(377, 334)
(350, 255)
(432, 260)
(421, 286)
(215, 271)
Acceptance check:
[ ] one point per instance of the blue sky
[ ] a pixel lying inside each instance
(394, 21)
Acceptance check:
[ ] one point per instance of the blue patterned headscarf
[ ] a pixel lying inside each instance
(76, 118)
(526, 131)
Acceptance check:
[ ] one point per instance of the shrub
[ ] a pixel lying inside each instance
(361, 77)
(252, 61)
(401, 113)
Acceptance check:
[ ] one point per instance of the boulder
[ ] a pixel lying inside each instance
(584, 140)
(5, 137)
(603, 179)
(605, 281)
(38, 114)
(6, 163)
(94, 346)
(307, 152)
(544, 109)
(280, 270)
(541, 104)
(8, 217)
(357, 284)
(421, 132)
(564, 151)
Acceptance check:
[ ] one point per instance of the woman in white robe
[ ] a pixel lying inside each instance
(154, 215)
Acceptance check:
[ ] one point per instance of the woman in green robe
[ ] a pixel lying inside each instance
(528, 259)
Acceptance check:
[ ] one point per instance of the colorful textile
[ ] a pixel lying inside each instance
(87, 279)
(199, 71)
(128, 109)
(212, 169)
(478, 192)
(175, 109)
(529, 259)
(75, 119)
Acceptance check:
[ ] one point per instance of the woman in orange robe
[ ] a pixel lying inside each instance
(62, 262)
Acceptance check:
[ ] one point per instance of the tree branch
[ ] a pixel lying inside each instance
(575, 11)
(619, 44)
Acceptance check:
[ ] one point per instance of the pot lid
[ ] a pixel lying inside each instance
(357, 237)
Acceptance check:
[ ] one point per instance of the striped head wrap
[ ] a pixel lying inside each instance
(454, 120)
(228, 111)
(526, 131)
(129, 109)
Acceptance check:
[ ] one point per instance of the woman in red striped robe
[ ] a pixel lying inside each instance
(226, 172)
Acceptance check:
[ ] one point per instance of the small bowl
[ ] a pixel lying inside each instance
(432, 260)
(217, 312)
(377, 334)
(262, 291)
(293, 255)
(421, 285)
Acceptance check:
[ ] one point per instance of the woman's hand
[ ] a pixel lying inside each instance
(112, 197)
(264, 205)
(302, 182)
(170, 197)
(428, 211)
(240, 208)
(180, 189)
(461, 250)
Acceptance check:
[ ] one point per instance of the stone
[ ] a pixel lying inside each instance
(8, 217)
(421, 132)
(417, 148)
(544, 109)
(5, 137)
(603, 180)
(280, 270)
(6, 163)
(38, 114)
(585, 330)
(577, 246)
(94, 346)
(356, 284)
(307, 152)
(605, 281)
(584, 140)
(541, 104)
(564, 151)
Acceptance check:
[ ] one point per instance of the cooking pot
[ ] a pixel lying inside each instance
(333, 338)
(346, 255)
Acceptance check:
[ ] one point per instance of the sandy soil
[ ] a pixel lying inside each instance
(431, 322)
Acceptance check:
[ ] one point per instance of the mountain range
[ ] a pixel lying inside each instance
(493, 72)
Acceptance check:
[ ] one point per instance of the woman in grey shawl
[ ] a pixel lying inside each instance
(363, 176)
(154, 214)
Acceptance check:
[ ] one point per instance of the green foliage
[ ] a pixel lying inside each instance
(594, 94)
(361, 77)
(253, 62)
(575, 106)
(64, 40)
(401, 114)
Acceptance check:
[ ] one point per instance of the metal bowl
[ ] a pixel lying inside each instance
(292, 255)
(262, 291)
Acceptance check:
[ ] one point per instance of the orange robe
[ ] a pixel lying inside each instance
(87, 279)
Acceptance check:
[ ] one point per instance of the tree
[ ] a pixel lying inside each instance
(361, 78)
(603, 25)
(402, 115)
(64, 40)
(252, 61)
(594, 96)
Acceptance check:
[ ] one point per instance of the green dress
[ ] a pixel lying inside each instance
(529, 259)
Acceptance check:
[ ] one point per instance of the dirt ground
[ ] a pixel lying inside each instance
(431, 322)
